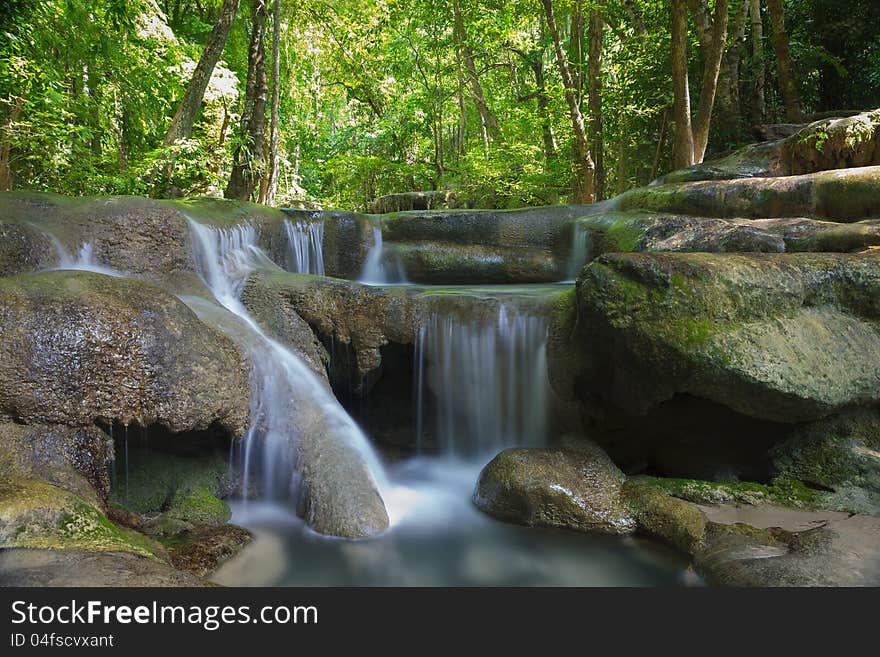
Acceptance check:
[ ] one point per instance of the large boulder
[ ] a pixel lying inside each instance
(784, 338)
(616, 232)
(79, 348)
(576, 488)
(345, 314)
(843, 195)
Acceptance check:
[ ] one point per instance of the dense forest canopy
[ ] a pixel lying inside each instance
(339, 102)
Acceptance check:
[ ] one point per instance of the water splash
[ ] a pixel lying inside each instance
(382, 267)
(282, 385)
(305, 242)
(482, 381)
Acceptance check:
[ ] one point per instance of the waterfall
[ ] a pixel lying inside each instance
(305, 240)
(483, 381)
(581, 245)
(287, 398)
(379, 269)
(85, 260)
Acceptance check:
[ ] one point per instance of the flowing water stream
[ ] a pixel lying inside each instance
(480, 385)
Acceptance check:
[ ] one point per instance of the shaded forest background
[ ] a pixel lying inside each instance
(338, 102)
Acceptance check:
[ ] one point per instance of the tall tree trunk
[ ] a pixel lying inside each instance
(711, 70)
(249, 156)
(576, 50)
(185, 117)
(594, 86)
(488, 121)
(543, 99)
(683, 149)
(271, 186)
(758, 109)
(791, 97)
(585, 163)
(728, 104)
(462, 107)
(6, 145)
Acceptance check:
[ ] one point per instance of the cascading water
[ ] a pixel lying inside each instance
(581, 246)
(305, 241)
(379, 268)
(282, 385)
(482, 382)
(85, 260)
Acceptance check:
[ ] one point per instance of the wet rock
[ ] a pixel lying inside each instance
(173, 493)
(838, 458)
(848, 139)
(833, 143)
(541, 228)
(347, 239)
(843, 195)
(36, 514)
(783, 338)
(81, 347)
(763, 545)
(449, 263)
(632, 231)
(128, 233)
(343, 313)
(23, 248)
(202, 550)
(268, 305)
(675, 521)
(574, 488)
(77, 568)
(74, 458)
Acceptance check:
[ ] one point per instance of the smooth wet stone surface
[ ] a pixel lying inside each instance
(572, 488)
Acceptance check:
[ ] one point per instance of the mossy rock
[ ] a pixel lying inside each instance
(784, 338)
(788, 493)
(573, 488)
(675, 521)
(174, 492)
(840, 457)
(36, 514)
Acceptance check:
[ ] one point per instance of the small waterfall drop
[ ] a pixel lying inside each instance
(282, 385)
(379, 268)
(85, 259)
(305, 240)
(482, 381)
(581, 247)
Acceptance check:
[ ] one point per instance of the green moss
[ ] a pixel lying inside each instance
(183, 489)
(657, 513)
(784, 492)
(199, 506)
(36, 514)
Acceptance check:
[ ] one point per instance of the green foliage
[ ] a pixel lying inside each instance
(375, 97)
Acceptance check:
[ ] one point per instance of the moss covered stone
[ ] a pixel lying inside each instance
(783, 338)
(174, 492)
(36, 514)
